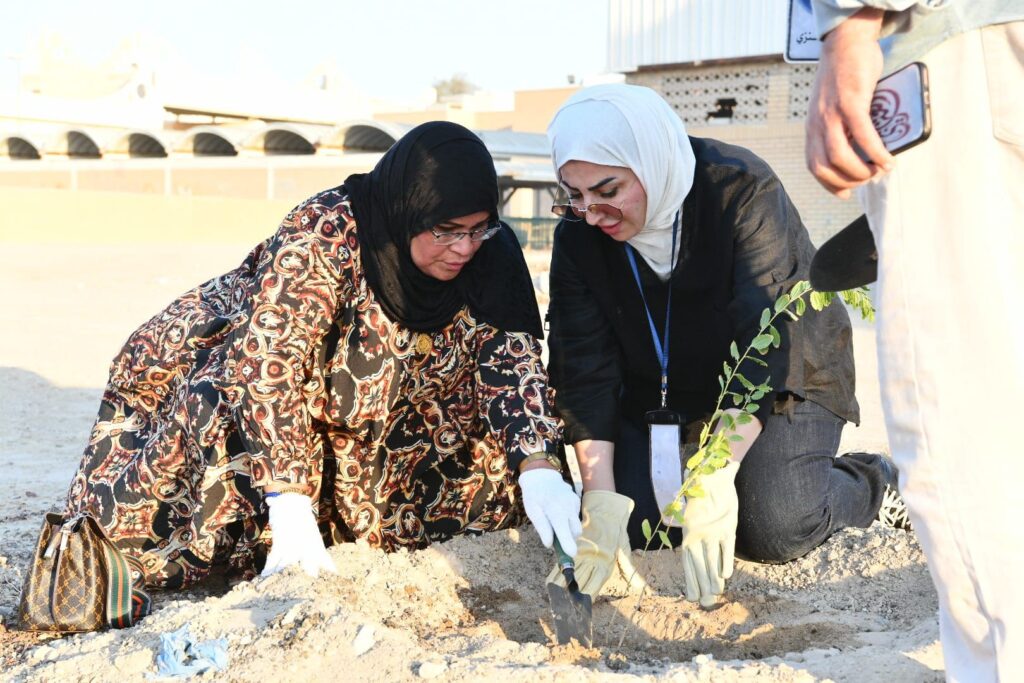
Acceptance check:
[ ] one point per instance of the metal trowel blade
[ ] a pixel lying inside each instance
(572, 612)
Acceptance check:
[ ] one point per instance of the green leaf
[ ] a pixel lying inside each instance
(736, 400)
(758, 361)
(781, 303)
(762, 342)
(800, 288)
(695, 460)
(860, 299)
(727, 421)
(758, 395)
(735, 437)
(695, 491)
(663, 535)
(753, 408)
(766, 317)
(801, 306)
(645, 527)
(673, 508)
(747, 384)
(819, 300)
(744, 418)
(733, 351)
(776, 337)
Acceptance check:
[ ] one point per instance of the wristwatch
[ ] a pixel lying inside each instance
(551, 458)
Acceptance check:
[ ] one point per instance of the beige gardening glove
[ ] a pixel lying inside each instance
(709, 536)
(603, 547)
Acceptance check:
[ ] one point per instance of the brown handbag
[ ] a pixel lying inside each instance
(79, 581)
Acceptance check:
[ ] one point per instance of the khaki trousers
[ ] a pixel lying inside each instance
(949, 223)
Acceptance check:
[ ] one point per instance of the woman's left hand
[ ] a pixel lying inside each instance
(552, 506)
(709, 536)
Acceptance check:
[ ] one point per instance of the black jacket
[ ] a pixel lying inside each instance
(742, 245)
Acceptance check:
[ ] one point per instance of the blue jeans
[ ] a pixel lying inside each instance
(793, 491)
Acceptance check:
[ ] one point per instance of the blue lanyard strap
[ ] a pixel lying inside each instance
(660, 345)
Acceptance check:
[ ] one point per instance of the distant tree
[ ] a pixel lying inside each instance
(458, 84)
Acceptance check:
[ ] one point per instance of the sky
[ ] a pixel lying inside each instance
(387, 48)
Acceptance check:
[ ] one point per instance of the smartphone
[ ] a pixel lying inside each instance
(900, 108)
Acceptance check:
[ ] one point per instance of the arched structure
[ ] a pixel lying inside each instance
(282, 139)
(138, 144)
(210, 141)
(363, 136)
(74, 143)
(19, 147)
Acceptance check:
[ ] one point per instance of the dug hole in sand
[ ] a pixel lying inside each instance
(859, 608)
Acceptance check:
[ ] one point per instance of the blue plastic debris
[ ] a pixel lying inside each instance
(181, 657)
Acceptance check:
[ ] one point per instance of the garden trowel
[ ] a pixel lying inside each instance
(571, 609)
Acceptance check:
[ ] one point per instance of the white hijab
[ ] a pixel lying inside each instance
(631, 126)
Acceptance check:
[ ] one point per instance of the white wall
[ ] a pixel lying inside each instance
(647, 32)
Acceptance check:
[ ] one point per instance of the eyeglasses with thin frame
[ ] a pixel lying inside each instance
(478, 235)
(571, 212)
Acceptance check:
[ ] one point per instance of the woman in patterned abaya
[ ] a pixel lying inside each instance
(376, 362)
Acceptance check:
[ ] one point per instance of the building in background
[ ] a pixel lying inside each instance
(121, 126)
(719, 64)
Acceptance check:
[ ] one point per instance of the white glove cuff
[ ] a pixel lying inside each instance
(540, 478)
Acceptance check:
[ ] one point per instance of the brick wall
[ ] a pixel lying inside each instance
(768, 118)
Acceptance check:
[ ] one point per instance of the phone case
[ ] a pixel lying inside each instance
(900, 108)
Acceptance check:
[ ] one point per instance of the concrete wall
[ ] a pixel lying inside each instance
(773, 126)
(98, 218)
(284, 178)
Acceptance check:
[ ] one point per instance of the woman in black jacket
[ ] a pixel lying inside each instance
(662, 230)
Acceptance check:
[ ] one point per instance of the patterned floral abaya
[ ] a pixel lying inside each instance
(286, 371)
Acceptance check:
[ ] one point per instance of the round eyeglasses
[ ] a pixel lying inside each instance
(571, 212)
(475, 235)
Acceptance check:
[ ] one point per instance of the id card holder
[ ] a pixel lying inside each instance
(666, 466)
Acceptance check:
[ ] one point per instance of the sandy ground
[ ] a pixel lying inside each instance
(861, 607)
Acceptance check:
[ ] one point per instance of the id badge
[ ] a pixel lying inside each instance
(666, 466)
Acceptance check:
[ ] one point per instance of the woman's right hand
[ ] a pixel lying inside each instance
(295, 536)
(552, 506)
(603, 545)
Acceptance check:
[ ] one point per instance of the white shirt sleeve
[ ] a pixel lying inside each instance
(830, 13)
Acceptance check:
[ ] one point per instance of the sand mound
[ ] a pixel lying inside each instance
(860, 607)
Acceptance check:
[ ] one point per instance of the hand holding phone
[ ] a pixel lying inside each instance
(900, 109)
(850, 107)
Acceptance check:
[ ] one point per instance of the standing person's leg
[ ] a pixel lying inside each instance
(794, 493)
(948, 223)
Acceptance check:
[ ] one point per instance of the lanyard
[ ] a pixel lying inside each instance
(660, 346)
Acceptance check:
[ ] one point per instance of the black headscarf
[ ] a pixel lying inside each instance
(436, 172)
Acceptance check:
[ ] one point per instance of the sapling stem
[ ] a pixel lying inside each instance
(714, 450)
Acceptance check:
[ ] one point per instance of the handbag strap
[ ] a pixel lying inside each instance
(119, 587)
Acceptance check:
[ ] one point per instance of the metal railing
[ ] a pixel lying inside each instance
(533, 233)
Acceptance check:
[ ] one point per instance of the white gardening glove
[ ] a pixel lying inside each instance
(295, 538)
(552, 506)
(709, 536)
